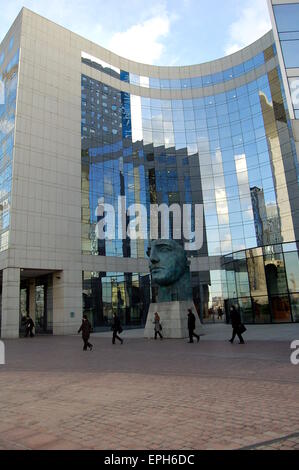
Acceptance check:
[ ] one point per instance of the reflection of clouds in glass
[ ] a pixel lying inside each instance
(294, 86)
(6, 126)
(2, 93)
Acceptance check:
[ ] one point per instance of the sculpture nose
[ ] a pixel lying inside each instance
(154, 257)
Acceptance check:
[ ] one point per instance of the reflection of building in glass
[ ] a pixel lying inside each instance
(92, 126)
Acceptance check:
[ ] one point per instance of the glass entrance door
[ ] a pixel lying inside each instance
(41, 323)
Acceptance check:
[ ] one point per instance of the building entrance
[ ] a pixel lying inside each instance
(36, 299)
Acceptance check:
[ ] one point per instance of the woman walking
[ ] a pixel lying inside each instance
(116, 328)
(158, 326)
(236, 324)
(86, 329)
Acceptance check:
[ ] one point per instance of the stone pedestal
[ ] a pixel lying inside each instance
(173, 318)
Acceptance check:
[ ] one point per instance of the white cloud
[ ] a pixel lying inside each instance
(142, 41)
(254, 21)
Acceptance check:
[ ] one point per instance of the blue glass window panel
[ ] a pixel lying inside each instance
(199, 113)
(175, 84)
(248, 136)
(228, 74)
(227, 156)
(238, 70)
(286, 17)
(2, 58)
(263, 81)
(185, 83)
(134, 79)
(11, 43)
(233, 107)
(177, 104)
(254, 99)
(155, 103)
(296, 113)
(196, 82)
(166, 104)
(146, 113)
(263, 157)
(190, 125)
(213, 134)
(222, 110)
(259, 133)
(259, 59)
(207, 80)
(188, 104)
(225, 131)
(226, 142)
(165, 83)
(124, 76)
(252, 86)
(290, 51)
(220, 98)
(211, 112)
(231, 95)
(217, 78)
(289, 36)
(200, 124)
(212, 122)
(241, 91)
(222, 120)
(154, 82)
(248, 65)
(237, 139)
(209, 101)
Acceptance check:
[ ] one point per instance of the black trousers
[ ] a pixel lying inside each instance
(158, 333)
(236, 332)
(86, 344)
(29, 331)
(115, 336)
(191, 334)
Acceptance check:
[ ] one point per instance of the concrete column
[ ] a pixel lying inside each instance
(32, 299)
(67, 301)
(10, 303)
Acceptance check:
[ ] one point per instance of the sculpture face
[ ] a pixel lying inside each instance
(168, 262)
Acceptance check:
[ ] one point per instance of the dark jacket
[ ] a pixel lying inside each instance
(85, 328)
(116, 324)
(29, 323)
(191, 321)
(235, 318)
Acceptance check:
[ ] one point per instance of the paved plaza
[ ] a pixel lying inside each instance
(148, 394)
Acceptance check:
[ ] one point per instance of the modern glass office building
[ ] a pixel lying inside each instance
(91, 126)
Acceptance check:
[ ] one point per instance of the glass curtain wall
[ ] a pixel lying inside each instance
(269, 290)
(226, 151)
(8, 92)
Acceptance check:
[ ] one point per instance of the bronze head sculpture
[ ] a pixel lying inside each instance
(170, 270)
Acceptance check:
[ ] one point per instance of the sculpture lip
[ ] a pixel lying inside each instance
(156, 268)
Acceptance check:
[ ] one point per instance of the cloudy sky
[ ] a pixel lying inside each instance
(162, 32)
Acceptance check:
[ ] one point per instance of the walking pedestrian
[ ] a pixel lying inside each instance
(29, 325)
(237, 326)
(86, 330)
(116, 328)
(191, 326)
(158, 326)
(220, 313)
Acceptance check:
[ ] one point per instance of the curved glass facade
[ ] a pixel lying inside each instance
(232, 151)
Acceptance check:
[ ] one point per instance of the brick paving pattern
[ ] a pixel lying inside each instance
(148, 394)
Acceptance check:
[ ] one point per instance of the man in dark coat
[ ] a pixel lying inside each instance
(236, 323)
(29, 325)
(86, 329)
(191, 326)
(116, 328)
